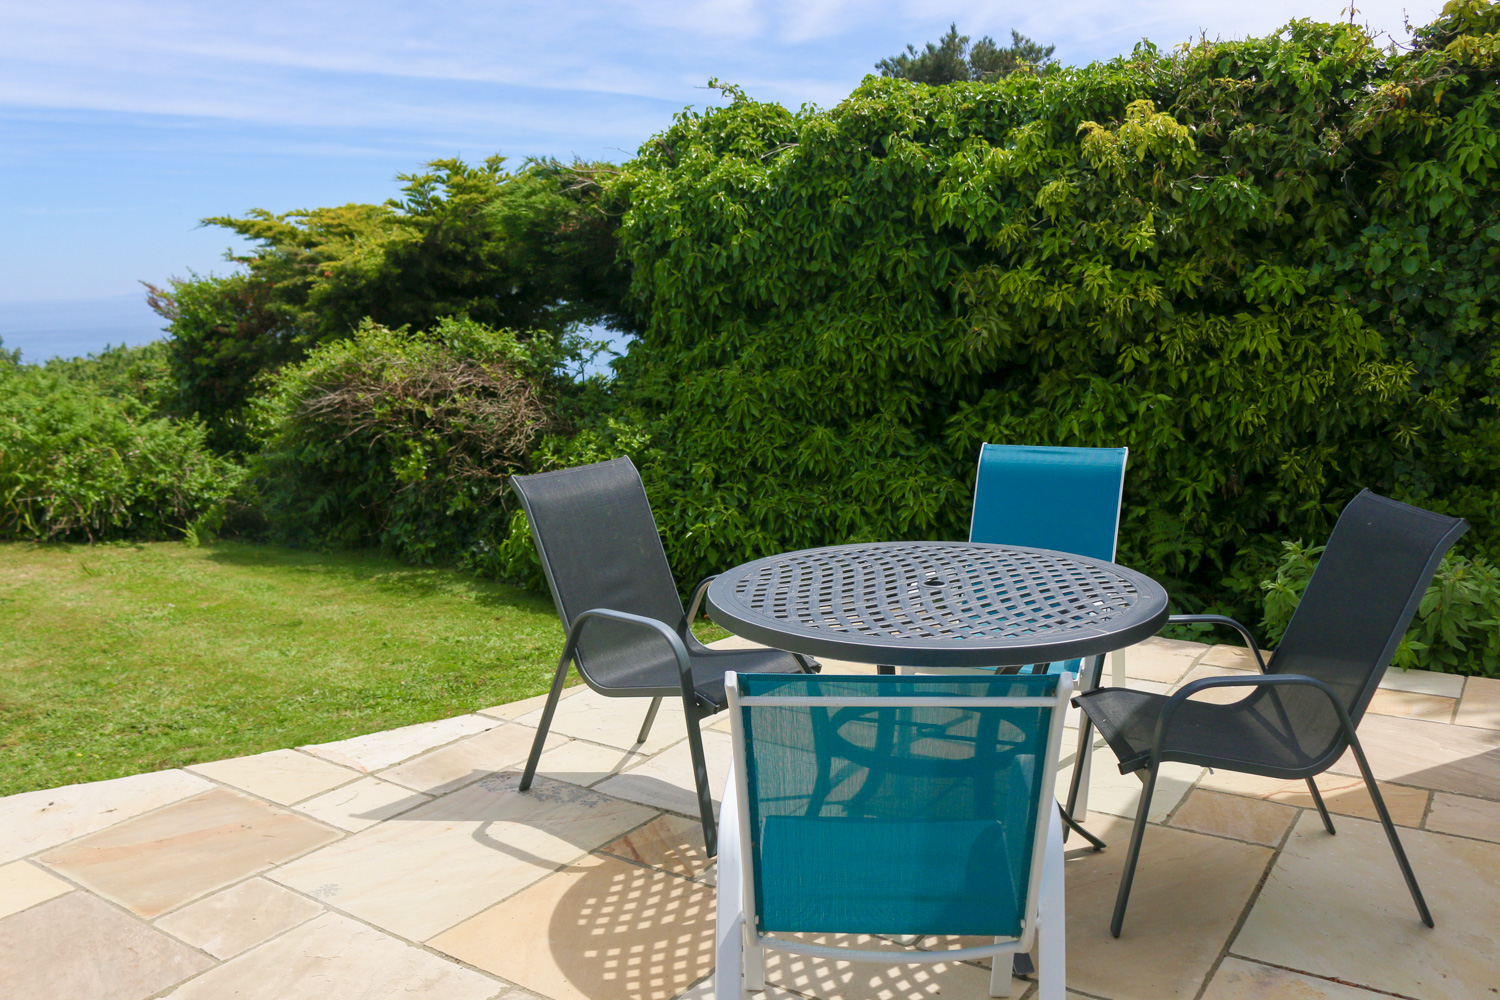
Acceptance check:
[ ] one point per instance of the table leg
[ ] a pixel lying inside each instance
(1072, 824)
(885, 668)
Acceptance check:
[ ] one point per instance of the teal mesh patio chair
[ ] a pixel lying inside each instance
(1066, 499)
(895, 806)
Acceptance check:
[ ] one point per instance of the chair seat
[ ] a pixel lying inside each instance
(918, 876)
(1249, 735)
(657, 674)
(709, 669)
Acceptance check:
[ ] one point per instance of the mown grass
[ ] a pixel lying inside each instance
(118, 659)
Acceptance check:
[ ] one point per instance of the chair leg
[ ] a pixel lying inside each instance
(755, 967)
(650, 718)
(1390, 828)
(545, 724)
(1137, 834)
(1078, 786)
(1052, 956)
(731, 935)
(728, 979)
(1317, 798)
(1000, 975)
(1069, 823)
(700, 779)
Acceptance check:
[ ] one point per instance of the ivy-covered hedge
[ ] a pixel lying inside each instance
(1269, 267)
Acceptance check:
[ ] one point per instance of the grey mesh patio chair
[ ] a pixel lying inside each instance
(892, 806)
(616, 596)
(1299, 716)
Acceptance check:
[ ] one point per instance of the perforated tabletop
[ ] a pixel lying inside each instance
(938, 604)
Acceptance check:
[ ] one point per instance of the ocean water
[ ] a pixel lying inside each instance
(43, 330)
(72, 328)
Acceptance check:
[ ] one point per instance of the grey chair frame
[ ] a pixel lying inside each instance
(1347, 721)
(677, 641)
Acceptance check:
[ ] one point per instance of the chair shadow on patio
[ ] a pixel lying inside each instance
(548, 807)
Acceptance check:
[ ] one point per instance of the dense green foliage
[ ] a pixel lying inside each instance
(224, 336)
(140, 373)
(953, 60)
(1271, 267)
(400, 441)
(530, 250)
(1267, 266)
(1457, 627)
(84, 455)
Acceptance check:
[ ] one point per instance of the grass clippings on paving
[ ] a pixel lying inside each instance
(118, 659)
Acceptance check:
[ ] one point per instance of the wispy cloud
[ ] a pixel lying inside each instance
(196, 109)
(347, 62)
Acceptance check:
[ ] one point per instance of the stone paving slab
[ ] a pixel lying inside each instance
(1238, 979)
(611, 929)
(80, 946)
(1480, 706)
(375, 751)
(35, 821)
(1433, 755)
(363, 803)
(240, 917)
(159, 861)
(1347, 888)
(283, 776)
(334, 956)
(424, 871)
(23, 885)
(408, 864)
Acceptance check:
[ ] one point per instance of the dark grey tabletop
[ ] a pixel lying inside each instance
(938, 604)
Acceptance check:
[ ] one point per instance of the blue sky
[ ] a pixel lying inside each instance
(125, 122)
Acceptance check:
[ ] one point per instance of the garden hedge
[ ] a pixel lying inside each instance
(1267, 266)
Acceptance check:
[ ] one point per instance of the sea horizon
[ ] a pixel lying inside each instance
(43, 329)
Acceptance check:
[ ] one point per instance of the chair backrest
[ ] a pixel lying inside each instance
(1362, 596)
(895, 805)
(1049, 498)
(599, 548)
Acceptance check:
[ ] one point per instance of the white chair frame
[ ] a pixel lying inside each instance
(740, 948)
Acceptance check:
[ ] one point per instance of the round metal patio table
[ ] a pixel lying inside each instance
(938, 604)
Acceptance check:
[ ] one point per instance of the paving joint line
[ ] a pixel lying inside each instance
(1239, 924)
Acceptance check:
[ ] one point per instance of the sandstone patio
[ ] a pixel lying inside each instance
(405, 863)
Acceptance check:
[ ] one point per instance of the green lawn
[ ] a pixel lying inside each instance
(117, 659)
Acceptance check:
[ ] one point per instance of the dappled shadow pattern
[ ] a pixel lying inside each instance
(627, 933)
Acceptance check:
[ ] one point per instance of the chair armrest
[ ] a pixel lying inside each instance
(697, 601)
(1222, 620)
(1266, 680)
(673, 640)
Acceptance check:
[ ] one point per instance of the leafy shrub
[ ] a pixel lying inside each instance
(1457, 626)
(141, 373)
(401, 441)
(224, 336)
(531, 250)
(1254, 262)
(82, 457)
